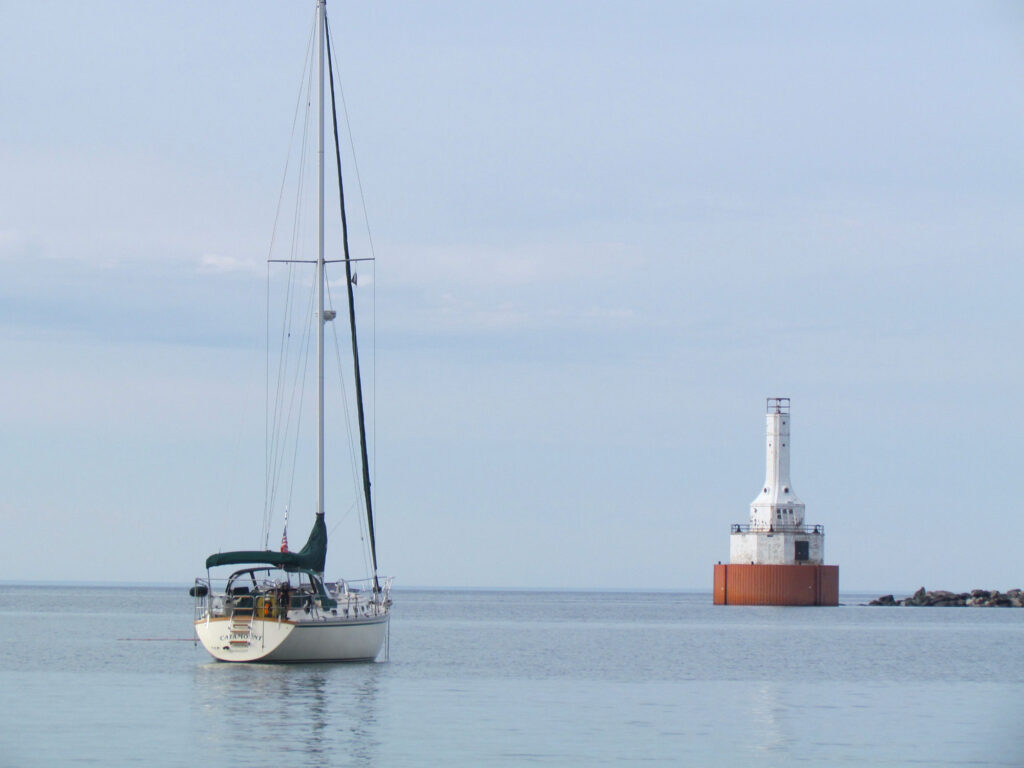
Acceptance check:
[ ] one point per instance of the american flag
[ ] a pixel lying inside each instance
(284, 536)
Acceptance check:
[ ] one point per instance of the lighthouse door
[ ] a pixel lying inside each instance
(802, 551)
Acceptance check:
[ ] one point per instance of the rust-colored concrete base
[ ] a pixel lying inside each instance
(776, 585)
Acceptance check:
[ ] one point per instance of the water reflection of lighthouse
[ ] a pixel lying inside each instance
(776, 559)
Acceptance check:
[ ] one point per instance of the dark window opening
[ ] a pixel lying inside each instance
(803, 550)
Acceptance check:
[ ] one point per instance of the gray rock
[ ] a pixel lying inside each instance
(942, 598)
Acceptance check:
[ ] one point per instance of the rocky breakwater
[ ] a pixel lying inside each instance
(983, 598)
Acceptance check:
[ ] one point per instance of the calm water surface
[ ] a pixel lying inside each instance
(108, 676)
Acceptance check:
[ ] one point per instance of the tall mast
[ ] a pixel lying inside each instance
(321, 18)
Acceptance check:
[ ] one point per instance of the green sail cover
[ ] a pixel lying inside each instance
(311, 557)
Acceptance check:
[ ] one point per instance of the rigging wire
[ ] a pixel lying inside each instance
(364, 459)
(336, 66)
(277, 442)
(282, 367)
(300, 388)
(355, 162)
(345, 405)
(359, 496)
(265, 531)
(293, 414)
(304, 78)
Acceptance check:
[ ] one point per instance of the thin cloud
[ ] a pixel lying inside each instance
(14, 244)
(514, 266)
(220, 264)
(482, 289)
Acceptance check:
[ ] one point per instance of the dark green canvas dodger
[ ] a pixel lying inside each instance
(311, 557)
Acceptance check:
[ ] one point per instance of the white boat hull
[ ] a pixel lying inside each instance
(272, 640)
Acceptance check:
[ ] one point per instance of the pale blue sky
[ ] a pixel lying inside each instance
(605, 233)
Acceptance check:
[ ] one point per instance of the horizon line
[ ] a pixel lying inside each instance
(409, 588)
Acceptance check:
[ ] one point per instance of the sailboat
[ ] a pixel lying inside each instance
(276, 606)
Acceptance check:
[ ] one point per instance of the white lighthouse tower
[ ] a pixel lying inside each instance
(776, 559)
(777, 504)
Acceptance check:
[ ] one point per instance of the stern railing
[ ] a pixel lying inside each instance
(354, 599)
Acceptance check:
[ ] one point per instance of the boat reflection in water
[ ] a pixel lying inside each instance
(312, 711)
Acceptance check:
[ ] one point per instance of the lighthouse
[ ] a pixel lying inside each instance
(776, 558)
